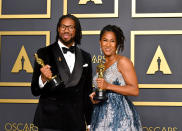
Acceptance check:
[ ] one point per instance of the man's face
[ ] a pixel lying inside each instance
(67, 31)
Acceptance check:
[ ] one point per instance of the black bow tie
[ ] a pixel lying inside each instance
(71, 49)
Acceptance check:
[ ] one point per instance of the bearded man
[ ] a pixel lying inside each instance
(66, 107)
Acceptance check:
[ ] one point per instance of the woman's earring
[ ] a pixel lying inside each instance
(117, 51)
(100, 51)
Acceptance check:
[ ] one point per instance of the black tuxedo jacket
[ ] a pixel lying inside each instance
(68, 106)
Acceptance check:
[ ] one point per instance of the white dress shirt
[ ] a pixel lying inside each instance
(69, 57)
(70, 60)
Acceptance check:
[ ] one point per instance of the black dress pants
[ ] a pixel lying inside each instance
(45, 129)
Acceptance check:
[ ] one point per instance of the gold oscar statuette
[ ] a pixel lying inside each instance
(55, 80)
(100, 93)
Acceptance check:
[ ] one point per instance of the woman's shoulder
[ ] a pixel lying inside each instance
(124, 61)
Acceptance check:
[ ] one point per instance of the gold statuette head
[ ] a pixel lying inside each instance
(39, 60)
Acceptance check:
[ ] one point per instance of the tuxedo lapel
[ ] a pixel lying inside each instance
(78, 69)
(61, 63)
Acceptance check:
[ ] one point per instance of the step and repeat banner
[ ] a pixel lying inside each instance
(153, 34)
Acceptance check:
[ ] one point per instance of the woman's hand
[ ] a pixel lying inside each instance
(91, 98)
(102, 84)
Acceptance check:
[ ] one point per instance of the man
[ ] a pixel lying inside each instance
(66, 107)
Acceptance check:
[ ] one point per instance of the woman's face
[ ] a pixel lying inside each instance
(108, 43)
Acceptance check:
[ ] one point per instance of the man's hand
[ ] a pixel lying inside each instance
(46, 73)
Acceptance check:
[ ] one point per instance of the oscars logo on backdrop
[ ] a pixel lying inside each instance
(91, 8)
(98, 59)
(84, 2)
(20, 126)
(158, 128)
(159, 64)
(22, 62)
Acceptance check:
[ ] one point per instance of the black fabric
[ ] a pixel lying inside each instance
(44, 129)
(68, 106)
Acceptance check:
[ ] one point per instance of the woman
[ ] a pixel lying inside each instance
(117, 113)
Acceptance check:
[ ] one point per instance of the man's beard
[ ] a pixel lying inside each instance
(67, 42)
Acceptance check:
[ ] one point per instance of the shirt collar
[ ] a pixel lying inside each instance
(62, 45)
